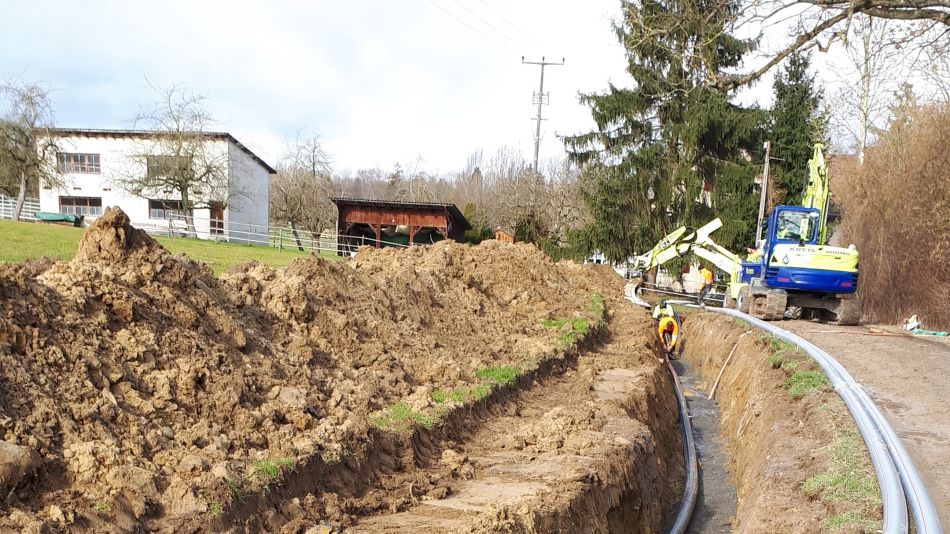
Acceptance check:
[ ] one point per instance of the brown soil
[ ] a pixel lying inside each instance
(592, 449)
(140, 393)
(775, 442)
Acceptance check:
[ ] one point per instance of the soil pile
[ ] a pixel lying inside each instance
(139, 392)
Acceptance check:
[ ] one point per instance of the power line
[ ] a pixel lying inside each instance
(484, 21)
(509, 22)
(470, 27)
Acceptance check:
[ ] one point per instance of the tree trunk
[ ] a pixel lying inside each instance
(293, 230)
(189, 213)
(21, 197)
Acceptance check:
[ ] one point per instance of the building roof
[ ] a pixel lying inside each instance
(144, 134)
(451, 208)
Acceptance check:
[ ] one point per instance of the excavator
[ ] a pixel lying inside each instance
(791, 271)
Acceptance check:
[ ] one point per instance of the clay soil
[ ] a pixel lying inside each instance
(139, 393)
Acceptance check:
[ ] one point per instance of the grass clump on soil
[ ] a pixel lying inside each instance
(234, 486)
(780, 350)
(458, 395)
(804, 382)
(861, 519)
(848, 479)
(503, 376)
(102, 507)
(26, 240)
(214, 508)
(399, 417)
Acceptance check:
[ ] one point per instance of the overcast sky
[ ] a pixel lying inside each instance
(381, 81)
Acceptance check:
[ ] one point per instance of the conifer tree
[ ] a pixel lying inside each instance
(798, 122)
(671, 150)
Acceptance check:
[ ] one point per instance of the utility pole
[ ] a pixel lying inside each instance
(765, 188)
(539, 98)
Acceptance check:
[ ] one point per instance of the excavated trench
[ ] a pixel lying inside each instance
(436, 389)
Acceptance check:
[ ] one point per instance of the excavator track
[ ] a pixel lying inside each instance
(849, 313)
(768, 307)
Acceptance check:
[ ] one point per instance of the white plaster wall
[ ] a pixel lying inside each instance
(248, 211)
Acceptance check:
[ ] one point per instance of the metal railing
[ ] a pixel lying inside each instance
(8, 204)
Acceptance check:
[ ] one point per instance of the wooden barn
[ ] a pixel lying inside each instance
(384, 223)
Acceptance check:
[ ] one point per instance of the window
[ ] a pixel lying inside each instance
(165, 209)
(167, 166)
(81, 206)
(796, 225)
(79, 163)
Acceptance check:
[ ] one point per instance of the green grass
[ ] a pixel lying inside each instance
(267, 468)
(399, 417)
(780, 349)
(235, 487)
(848, 479)
(804, 382)
(860, 519)
(458, 395)
(503, 376)
(24, 240)
(102, 507)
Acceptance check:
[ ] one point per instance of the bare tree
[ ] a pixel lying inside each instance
(300, 192)
(180, 157)
(875, 68)
(819, 23)
(28, 153)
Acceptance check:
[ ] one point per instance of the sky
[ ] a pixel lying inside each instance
(382, 82)
(421, 83)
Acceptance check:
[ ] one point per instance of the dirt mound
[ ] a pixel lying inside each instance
(137, 391)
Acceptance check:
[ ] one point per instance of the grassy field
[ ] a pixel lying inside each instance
(24, 240)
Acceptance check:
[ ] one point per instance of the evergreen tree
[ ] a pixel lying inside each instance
(797, 124)
(671, 150)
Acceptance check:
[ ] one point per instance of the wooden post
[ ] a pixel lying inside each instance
(280, 239)
(248, 232)
(765, 187)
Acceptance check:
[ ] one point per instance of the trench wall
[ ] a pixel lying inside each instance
(775, 441)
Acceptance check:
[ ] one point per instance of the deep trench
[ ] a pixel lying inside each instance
(717, 500)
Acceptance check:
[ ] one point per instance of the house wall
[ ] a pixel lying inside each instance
(248, 198)
(115, 158)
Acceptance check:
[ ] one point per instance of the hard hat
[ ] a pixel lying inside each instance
(663, 303)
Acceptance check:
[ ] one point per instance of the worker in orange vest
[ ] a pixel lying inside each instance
(707, 276)
(668, 331)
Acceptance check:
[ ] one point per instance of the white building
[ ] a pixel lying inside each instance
(94, 162)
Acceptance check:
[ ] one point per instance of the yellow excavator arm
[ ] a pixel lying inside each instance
(686, 239)
(816, 190)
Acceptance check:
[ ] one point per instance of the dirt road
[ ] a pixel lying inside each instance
(908, 377)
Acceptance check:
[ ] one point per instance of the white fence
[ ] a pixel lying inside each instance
(261, 235)
(8, 204)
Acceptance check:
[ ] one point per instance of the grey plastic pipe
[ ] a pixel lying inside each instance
(896, 473)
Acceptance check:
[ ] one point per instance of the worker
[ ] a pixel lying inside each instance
(707, 279)
(754, 255)
(668, 331)
(662, 310)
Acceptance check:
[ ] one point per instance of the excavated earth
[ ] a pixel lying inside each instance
(443, 388)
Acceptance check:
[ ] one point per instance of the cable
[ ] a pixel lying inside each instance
(470, 27)
(484, 21)
(509, 23)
